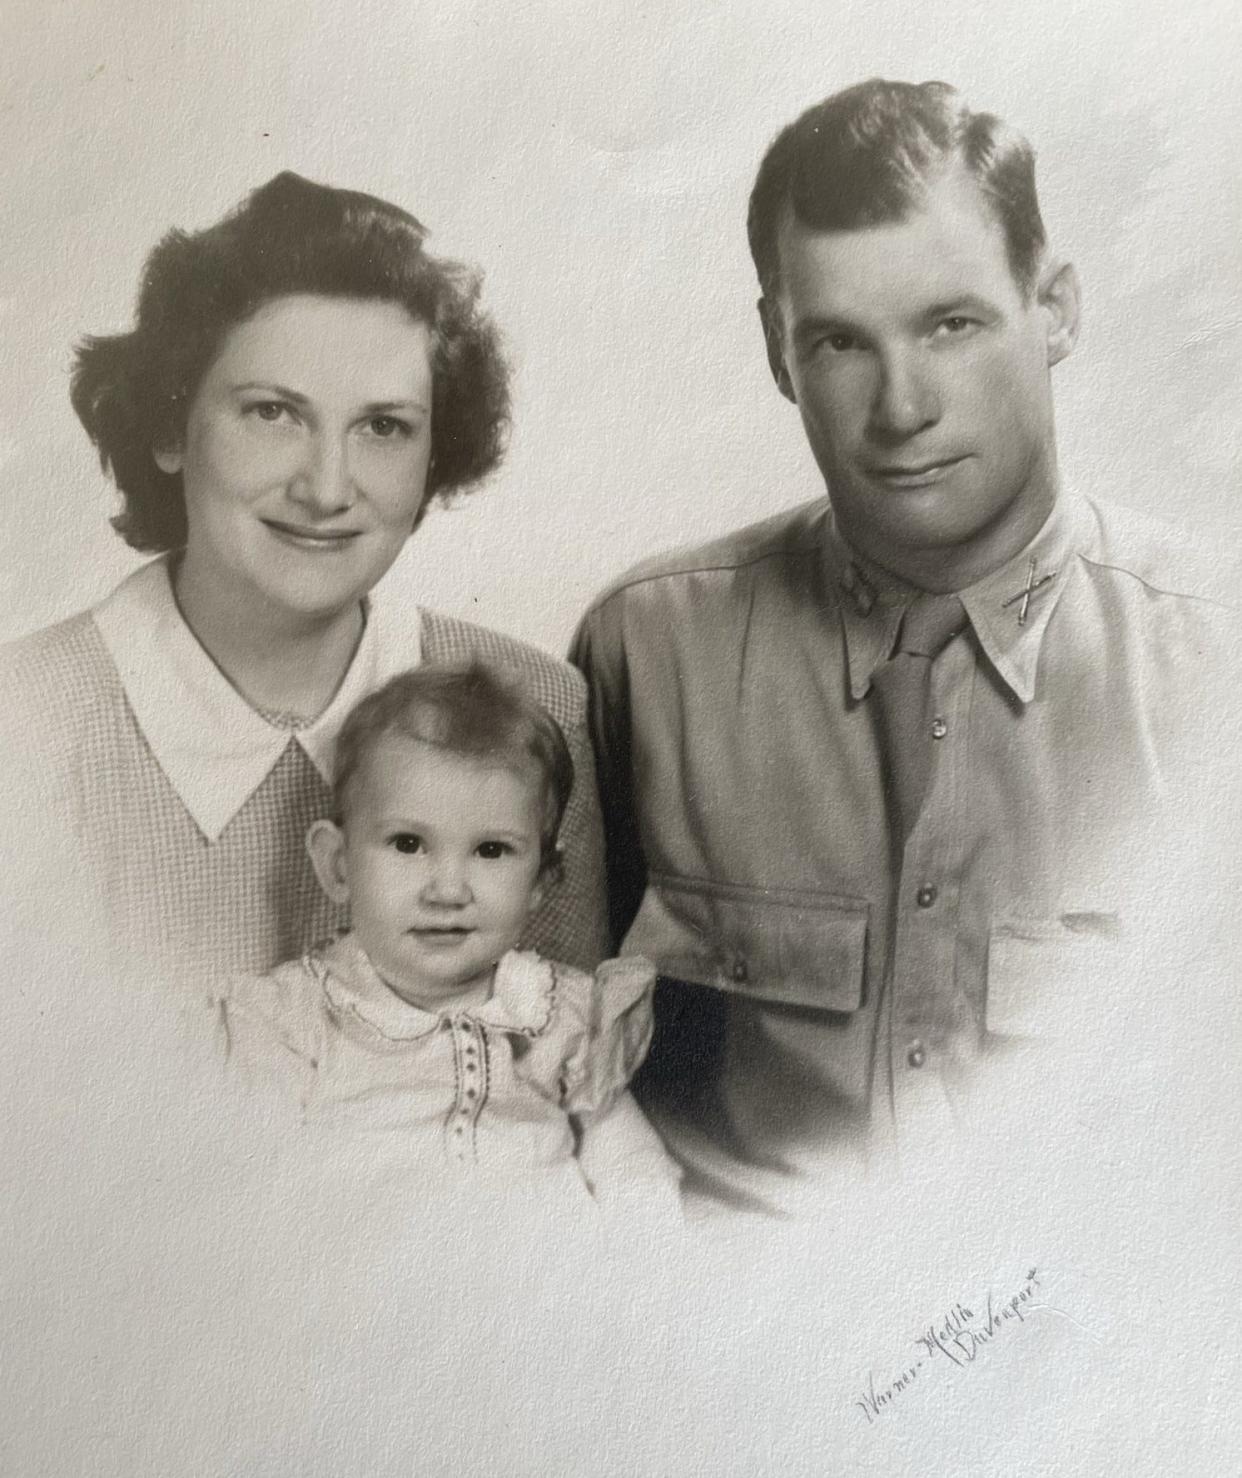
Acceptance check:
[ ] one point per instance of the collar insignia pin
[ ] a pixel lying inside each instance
(1028, 590)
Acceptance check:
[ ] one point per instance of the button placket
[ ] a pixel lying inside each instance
(470, 1088)
(926, 917)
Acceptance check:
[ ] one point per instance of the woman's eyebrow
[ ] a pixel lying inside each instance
(269, 387)
(381, 407)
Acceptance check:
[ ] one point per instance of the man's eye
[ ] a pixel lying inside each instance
(956, 323)
(841, 343)
(492, 851)
(406, 841)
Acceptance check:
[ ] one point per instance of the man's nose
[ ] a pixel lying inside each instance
(323, 483)
(907, 397)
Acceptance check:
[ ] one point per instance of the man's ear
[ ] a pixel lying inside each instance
(325, 841)
(773, 338)
(168, 458)
(1058, 296)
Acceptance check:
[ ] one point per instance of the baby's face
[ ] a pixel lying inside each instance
(441, 858)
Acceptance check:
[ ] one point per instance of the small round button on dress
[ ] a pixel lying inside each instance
(926, 896)
(915, 1055)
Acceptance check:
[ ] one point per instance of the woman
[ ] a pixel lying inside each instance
(301, 380)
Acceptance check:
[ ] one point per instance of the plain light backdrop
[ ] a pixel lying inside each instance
(595, 160)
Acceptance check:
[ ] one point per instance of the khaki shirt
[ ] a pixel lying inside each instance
(824, 980)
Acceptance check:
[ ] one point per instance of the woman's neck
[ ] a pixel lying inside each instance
(277, 660)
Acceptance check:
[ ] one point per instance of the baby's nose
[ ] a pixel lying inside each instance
(447, 884)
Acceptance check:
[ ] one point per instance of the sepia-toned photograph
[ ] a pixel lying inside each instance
(621, 682)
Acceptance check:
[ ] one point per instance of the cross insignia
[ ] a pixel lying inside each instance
(1028, 590)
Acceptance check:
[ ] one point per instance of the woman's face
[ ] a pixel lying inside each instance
(305, 456)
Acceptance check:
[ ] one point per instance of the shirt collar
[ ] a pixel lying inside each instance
(522, 998)
(1009, 609)
(214, 749)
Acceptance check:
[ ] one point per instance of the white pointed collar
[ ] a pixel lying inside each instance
(213, 747)
(522, 998)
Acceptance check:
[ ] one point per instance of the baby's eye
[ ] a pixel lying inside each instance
(493, 851)
(406, 842)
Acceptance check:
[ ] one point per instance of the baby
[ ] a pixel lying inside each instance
(424, 1020)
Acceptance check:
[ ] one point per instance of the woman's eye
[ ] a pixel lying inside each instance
(386, 427)
(956, 323)
(493, 851)
(406, 841)
(268, 410)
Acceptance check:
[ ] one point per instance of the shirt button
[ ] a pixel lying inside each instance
(939, 728)
(926, 896)
(739, 972)
(915, 1055)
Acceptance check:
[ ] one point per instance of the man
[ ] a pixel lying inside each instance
(878, 773)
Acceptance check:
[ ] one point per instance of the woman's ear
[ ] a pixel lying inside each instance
(325, 842)
(168, 459)
(1059, 297)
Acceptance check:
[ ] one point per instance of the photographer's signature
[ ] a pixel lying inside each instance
(958, 1336)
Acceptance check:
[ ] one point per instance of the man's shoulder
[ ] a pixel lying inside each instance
(796, 534)
(1161, 557)
(554, 683)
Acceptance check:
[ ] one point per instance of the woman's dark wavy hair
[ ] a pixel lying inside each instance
(132, 391)
(472, 711)
(866, 156)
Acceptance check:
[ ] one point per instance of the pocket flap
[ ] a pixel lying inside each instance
(796, 948)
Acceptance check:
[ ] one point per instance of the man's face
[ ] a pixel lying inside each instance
(921, 372)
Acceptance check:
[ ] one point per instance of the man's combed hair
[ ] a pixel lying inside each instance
(867, 156)
(471, 711)
(132, 391)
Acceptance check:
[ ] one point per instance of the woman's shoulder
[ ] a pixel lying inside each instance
(61, 667)
(554, 683)
(54, 648)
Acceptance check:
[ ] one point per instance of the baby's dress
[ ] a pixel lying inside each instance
(490, 1088)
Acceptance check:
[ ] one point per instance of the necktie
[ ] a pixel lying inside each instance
(902, 699)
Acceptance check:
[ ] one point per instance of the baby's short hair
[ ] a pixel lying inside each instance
(470, 710)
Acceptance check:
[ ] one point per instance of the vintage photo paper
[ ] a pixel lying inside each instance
(194, 1281)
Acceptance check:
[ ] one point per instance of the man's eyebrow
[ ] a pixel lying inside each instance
(823, 323)
(971, 302)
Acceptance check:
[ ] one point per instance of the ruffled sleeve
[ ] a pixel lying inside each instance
(614, 1006)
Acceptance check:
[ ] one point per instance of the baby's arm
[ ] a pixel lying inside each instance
(622, 1158)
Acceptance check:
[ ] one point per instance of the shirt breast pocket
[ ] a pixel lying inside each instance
(785, 946)
(1048, 979)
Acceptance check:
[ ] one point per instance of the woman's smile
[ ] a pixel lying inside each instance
(316, 540)
(310, 432)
